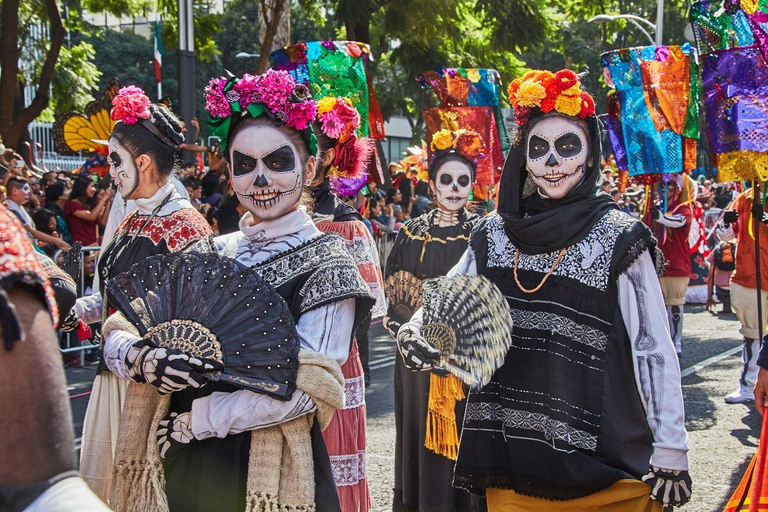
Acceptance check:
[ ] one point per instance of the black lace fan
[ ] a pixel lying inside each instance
(72, 261)
(467, 319)
(214, 307)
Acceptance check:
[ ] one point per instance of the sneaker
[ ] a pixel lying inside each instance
(740, 397)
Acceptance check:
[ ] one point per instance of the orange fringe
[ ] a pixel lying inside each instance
(442, 433)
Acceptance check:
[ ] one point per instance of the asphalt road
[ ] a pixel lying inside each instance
(722, 438)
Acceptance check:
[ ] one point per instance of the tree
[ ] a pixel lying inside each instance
(274, 28)
(14, 117)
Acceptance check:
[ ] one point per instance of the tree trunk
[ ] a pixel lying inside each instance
(9, 62)
(275, 29)
(13, 131)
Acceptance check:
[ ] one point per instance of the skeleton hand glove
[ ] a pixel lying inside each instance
(167, 369)
(672, 488)
(71, 323)
(391, 325)
(417, 354)
(173, 433)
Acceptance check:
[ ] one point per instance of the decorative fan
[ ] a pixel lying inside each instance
(467, 319)
(72, 261)
(403, 291)
(73, 131)
(211, 306)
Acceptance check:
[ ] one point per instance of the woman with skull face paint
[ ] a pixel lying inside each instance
(587, 408)
(342, 158)
(218, 447)
(143, 152)
(428, 247)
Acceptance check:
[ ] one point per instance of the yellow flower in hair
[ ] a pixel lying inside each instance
(530, 94)
(442, 140)
(326, 104)
(568, 105)
(473, 75)
(572, 91)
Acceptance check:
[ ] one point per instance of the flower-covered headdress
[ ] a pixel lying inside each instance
(274, 93)
(339, 121)
(560, 92)
(468, 144)
(131, 106)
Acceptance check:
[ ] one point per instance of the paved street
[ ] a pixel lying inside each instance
(722, 438)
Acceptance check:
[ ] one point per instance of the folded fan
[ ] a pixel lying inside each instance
(403, 290)
(467, 319)
(211, 306)
(72, 261)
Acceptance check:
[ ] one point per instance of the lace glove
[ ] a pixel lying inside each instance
(391, 325)
(173, 433)
(671, 488)
(167, 369)
(71, 323)
(417, 354)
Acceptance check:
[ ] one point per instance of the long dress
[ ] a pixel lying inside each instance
(327, 298)
(162, 224)
(423, 478)
(345, 436)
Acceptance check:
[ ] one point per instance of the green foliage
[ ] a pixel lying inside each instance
(75, 77)
(239, 32)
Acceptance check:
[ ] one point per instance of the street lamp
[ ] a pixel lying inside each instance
(246, 55)
(635, 20)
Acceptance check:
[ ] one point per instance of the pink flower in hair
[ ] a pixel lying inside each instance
(248, 89)
(301, 114)
(275, 89)
(215, 102)
(130, 105)
(331, 124)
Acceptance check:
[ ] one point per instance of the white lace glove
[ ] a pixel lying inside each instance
(417, 354)
(167, 369)
(671, 488)
(173, 433)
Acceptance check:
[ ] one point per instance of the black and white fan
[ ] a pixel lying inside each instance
(467, 319)
(211, 306)
(73, 261)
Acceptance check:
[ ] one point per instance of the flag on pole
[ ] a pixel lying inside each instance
(158, 53)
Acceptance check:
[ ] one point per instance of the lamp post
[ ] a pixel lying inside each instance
(636, 20)
(186, 65)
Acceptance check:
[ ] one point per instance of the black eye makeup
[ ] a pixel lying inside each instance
(114, 159)
(537, 147)
(280, 160)
(446, 179)
(463, 180)
(568, 146)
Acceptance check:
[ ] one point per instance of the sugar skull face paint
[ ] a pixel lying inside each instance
(453, 182)
(122, 169)
(557, 155)
(266, 171)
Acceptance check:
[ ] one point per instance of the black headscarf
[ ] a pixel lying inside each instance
(538, 225)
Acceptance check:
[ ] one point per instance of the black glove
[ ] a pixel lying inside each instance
(173, 433)
(671, 488)
(417, 354)
(730, 216)
(655, 213)
(167, 369)
(71, 323)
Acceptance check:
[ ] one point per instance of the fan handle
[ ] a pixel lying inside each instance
(463, 375)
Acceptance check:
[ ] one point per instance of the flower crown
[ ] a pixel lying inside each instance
(129, 105)
(339, 120)
(549, 91)
(466, 143)
(274, 93)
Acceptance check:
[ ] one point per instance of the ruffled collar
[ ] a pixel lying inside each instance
(147, 205)
(295, 224)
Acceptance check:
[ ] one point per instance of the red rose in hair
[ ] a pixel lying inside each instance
(301, 51)
(587, 105)
(565, 79)
(522, 115)
(349, 116)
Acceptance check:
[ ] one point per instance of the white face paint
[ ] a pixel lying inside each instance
(557, 155)
(452, 184)
(266, 171)
(122, 169)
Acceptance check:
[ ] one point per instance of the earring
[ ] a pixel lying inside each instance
(308, 182)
